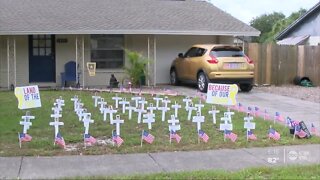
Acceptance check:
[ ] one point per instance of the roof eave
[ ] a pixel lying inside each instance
(158, 32)
(297, 22)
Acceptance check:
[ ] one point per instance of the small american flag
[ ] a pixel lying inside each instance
(174, 135)
(299, 132)
(257, 111)
(89, 139)
(60, 141)
(240, 107)
(273, 134)
(250, 111)
(117, 139)
(148, 137)
(278, 117)
(251, 136)
(24, 137)
(313, 129)
(203, 136)
(232, 136)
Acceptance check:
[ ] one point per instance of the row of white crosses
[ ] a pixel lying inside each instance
(82, 113)
(57, 109)
(56, 115)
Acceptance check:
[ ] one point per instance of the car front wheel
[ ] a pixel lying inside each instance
(202, 82)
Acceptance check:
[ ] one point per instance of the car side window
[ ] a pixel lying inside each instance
(195, 52)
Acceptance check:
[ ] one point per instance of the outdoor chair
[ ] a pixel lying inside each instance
(69, 73)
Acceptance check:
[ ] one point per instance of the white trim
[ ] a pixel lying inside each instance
(82, 44)
(155, 59)
(148, 60)
(8, 61)
(15, 61)
(77, 59)
(151, 32)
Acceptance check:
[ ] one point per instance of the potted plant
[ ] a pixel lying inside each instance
(136, 67)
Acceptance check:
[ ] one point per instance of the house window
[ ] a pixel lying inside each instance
(107, 51)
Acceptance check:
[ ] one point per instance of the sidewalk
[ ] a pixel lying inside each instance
(126, 164)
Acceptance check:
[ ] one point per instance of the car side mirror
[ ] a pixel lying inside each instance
(180, 55)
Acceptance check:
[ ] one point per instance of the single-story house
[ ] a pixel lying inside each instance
(304, 31)
(38, 37)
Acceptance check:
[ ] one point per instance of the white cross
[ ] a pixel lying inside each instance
(226, 125)
(198, 119)
(96, 98)
(105, 111)
(149, 118)
(75, 101)
(214, 111)
(136, 99)
(174, 124)
(124, 102)
(139, 110)
(86, 122)
(56, 125)
(157, 99)
(81, 112)
(60, 102)
(187, 100)
(117, 100)
(248, 124)
(78, 105)
(26, 125)
(151, 108)
(142, 102)
(118, 121)
(164, 110)
(190, 109)
(102, 104)
(228, 113)
(56, 116)
(166, 101)
(56, 110)
(130, 109)
(111, 112)
(27, 118)
(176, 107)
(199, 106)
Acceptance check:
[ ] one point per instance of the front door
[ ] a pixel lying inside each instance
(42, 64)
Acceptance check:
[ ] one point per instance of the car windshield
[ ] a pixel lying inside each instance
(227, 52)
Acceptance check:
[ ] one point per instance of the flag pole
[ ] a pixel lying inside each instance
(84, 141)
(294, 133)
(224, 136)
(198, 138)
(170, 137)
(247, 135)
(268, 132)
(141, 140)
(19, 140)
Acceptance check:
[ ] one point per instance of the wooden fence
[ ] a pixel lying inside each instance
(278, 64)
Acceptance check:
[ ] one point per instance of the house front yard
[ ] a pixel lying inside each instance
(72, 131)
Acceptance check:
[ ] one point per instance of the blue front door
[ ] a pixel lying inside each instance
(42, 64)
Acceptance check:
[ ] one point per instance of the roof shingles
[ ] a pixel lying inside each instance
(118, 17)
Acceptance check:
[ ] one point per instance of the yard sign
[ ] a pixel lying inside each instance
(28, 97)
(223, 94)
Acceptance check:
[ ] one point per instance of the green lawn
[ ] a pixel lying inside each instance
(72, 131)
(289, 172)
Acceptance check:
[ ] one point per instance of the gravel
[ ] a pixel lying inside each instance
(311, 94)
